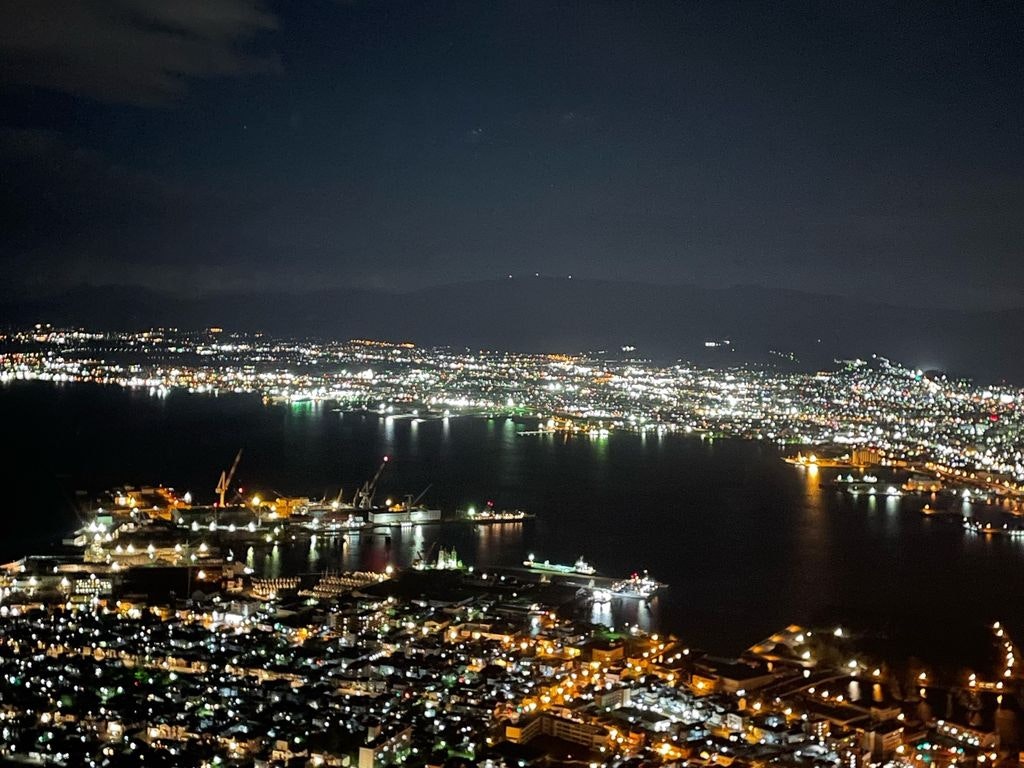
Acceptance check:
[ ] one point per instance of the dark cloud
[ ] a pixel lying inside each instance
(73, 216)
(861, 151)
(68, 211)
(128, 51)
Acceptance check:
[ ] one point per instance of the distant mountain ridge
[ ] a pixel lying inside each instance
(563, 315)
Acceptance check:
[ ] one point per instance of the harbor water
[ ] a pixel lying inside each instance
(746, 542)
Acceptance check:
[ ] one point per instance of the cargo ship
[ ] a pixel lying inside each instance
(639, 586)
(491, 515)
(635, 587)
(581, 567)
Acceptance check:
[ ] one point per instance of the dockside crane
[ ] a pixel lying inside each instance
(424, 559)
(410, 502)
(364, 496)
(224, 484)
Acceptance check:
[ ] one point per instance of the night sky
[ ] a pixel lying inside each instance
(868, 149)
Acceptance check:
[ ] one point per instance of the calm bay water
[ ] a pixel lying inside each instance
(747, 542)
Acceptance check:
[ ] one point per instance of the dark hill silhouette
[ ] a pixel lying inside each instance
(557, 314)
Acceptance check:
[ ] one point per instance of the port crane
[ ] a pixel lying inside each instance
(224, 484)
(410, 502)
(364, 496)
(424, 559)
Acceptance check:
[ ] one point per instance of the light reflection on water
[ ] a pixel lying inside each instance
(585, 491)
(480, 545)
(746, 542)
(622, 612)
(313, 556)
